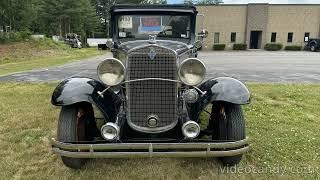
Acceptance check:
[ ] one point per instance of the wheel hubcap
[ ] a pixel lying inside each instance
(312, 48)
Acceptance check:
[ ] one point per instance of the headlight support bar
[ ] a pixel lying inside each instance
(148, 79)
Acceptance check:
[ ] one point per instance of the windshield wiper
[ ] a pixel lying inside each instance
(169, 21)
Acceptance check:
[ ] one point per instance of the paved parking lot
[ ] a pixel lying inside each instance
(248, 66)
(262, 66)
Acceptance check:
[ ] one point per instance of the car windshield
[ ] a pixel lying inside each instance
(165, 26)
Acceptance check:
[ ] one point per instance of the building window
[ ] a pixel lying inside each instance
(274, 37)
(233, 37)
(216, 37)
(290, 37)
(306, 36)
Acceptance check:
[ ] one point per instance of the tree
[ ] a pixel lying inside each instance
(59, 17)
(18, 16)
(103, 8)
(89, 19)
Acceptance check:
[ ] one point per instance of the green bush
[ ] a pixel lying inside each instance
(240, 47)
(25, 34)
(293, 48)
(273, 47)
(3, 37)
(14, 36)
(219, 47)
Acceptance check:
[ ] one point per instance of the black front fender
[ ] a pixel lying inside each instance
(76, 90)
(224, 89)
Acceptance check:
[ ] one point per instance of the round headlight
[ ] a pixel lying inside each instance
(190, 129)
(111, 72)
(192, 71)
(110, 131)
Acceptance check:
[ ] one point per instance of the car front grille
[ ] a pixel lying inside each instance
(152, 97)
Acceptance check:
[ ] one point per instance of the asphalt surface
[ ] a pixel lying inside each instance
(247, 66)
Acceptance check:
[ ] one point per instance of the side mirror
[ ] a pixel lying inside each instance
(110, 44)
(204, 33)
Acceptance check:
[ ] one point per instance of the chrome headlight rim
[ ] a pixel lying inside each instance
(186, 129)
(185, 61)
(122, 66)
(106, 134)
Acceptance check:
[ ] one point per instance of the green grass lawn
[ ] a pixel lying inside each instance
(25, 56)
(283, 124)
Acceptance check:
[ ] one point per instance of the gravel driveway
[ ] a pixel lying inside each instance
(248, 66)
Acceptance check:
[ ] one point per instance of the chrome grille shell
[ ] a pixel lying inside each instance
(152, 97)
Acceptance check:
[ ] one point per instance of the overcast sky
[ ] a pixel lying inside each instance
(260, 1)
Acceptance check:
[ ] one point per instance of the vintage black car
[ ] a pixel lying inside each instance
(313, 45)
(151, 95)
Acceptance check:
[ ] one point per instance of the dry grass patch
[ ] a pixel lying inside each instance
(24, 56)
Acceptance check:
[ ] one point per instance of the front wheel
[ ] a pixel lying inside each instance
(228, 124)
(73, 127)
(313, 48)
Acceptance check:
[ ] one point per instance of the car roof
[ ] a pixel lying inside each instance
(160, 8)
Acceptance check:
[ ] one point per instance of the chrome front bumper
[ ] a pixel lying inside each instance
(128, 150)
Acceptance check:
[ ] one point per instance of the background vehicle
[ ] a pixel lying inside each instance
(151, 95)
(73, 40)
(313, 45)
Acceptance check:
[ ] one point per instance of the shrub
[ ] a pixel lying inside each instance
(273, 47)
(240, 47)
(14, 36)
(219, 47)
(293, 48)
(25, 34)
(3, 37)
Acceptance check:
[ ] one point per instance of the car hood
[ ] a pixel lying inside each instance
(178, 47)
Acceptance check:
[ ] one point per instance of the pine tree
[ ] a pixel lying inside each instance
(18, 16)
(59, 17)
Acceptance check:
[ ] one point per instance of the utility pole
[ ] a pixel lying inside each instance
(60, 30)
(108, 28)
(10, 13)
